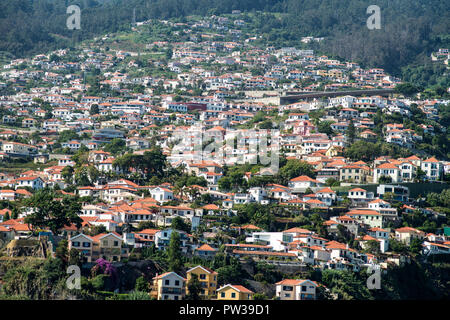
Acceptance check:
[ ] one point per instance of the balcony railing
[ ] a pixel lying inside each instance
(171, 291)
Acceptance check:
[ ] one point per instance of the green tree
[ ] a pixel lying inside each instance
(174, 253)
(142, 284)
(325, 127)
(259, 296)
(194, 288)
(415, 246)
(407, 89)
(178, 223)
(94, 109)
(75, 257)
(62, 251)
(116, 146)
(67, 174)
(294, 168)
(51, 213)
(351, 131)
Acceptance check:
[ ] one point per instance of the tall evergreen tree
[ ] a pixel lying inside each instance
(174, 253)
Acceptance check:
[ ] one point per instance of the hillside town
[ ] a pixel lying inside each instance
(204, 141)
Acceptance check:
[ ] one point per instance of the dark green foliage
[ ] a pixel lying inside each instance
(368, 151)
(194, 287)
(116, 146)
(347, 285)
(293, 169)
(407, 89)
(351, 131)
(232, 273)
(174, 253)
(178, 223)
(51, 213)
(151, 163)
(142, 284)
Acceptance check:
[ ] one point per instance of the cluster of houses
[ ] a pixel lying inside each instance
(171, 286)
(34, 120)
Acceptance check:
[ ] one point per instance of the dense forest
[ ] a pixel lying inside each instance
(410, 29)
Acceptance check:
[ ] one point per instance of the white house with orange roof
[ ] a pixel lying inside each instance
(370, 217)
(382, 206)
(33, 182)
(168, 286)
(161, 194)
(433, 169)
(326, 195)
(387, 170)
(301, 183)
(435, 248)
(381, 235)
(341, 250)
(205, 251)
(406, 234)
(107, 165)
(296, 289)
(407, 171)
(360, 196)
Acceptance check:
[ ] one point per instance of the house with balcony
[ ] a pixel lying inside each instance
(108, 246)
(205, 251)
(433, 169)
(296, 289)
(407, 234)
(387, 170)
(33, 182)
(354, 173)
(371, 218)
(168, 286)
(207, 278)
(359, 196)
(302, 183)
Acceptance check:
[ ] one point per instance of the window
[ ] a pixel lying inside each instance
(177, 282)
(233, 295)
(116, 243)
(222, 294)
(167, 282)
(202, 276)
(86, 244)
(303, 288)
(75, 244)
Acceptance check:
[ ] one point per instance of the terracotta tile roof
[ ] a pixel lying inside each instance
(236, 287)
(206, 247)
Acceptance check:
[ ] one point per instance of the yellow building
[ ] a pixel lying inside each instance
(234, 292)
(207, 277)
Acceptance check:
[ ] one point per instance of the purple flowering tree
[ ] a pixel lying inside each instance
(104, 267)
